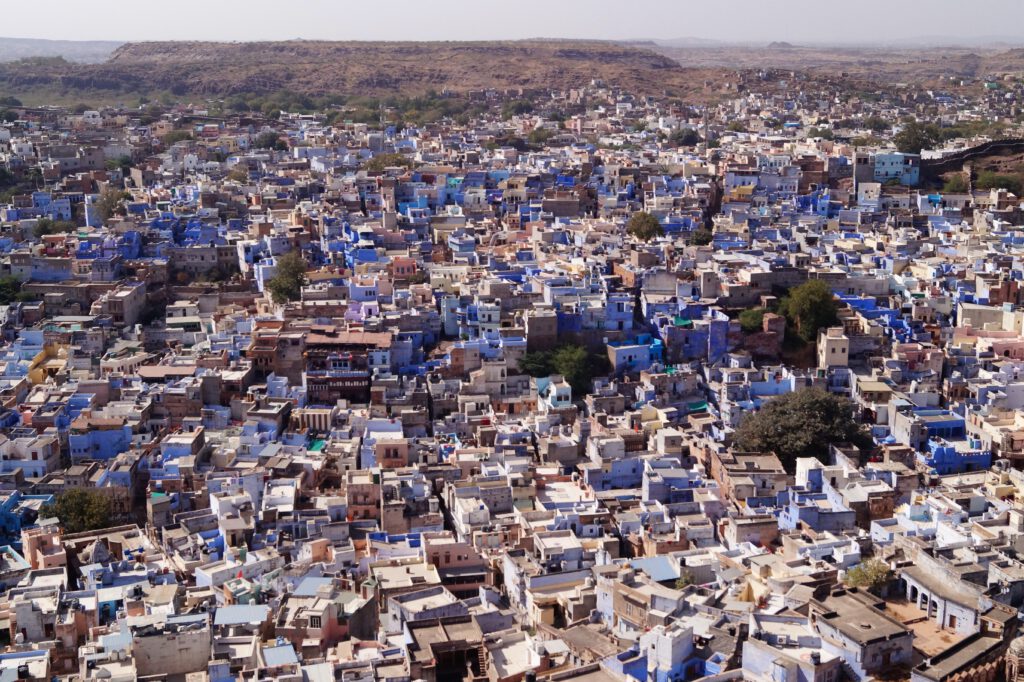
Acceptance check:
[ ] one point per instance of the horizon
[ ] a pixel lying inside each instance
(805, 22)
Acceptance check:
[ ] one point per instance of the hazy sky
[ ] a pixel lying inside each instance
(745, 20)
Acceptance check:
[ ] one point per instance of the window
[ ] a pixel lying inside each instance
(314, 622)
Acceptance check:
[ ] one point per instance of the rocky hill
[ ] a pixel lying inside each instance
(354, 68)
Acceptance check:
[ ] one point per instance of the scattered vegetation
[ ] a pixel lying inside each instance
(175, 136)
(684, 580)
(12, 184)
(915, 136)
(516, 108)
(991, 180)
(123, 164)
(956, 184)
(382, 161)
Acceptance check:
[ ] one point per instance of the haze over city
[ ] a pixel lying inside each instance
(867, 21)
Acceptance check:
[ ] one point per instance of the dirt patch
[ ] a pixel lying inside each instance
(929, 638)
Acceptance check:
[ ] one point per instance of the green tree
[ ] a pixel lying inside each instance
(80, 510)
(871, 575)
(955, 185)
(823, 133)
(574, 363)
(803, 423)
(176, 136)
(684, 580)
(239, 173)
(45, 226)
(914, 137)
(751, 320)
(876, 124)
(991, 180)
(151, 313)
(535, 364)
(578, 367)
(809, 307)
(286, 285)
(123, 164)
(644, 226)
(109, 202)
(516, 108)
(866, 141)
(270, 140)
(539, 136)
(684, 137)
(10, 288)
(702, 237)
(382, 161)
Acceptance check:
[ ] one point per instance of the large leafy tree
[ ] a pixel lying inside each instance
(752, 320)
(10, 287)
(684, 137)
(286, 285)
(80, 510)
(45, 226)
(536, 364)
(803, 423)
(644, 226)
(575, 363)
(702, 237)
(914, 137)
(110, 201)
(175, 136)
(871, 575)
(809, 307)
(269, 140)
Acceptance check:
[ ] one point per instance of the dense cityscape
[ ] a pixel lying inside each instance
(516, 384)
